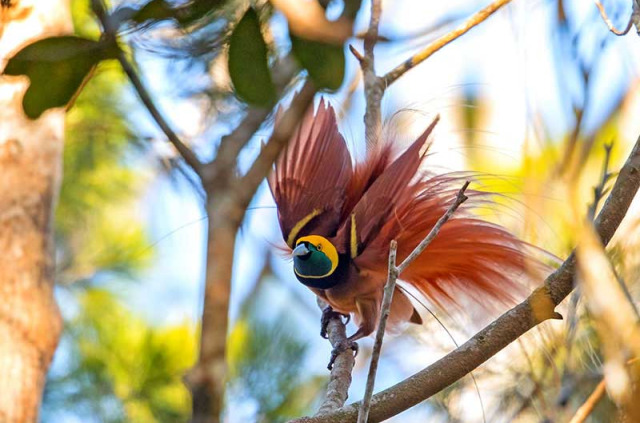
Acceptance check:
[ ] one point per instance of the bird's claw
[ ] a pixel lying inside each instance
(328, 314)
(341, 347)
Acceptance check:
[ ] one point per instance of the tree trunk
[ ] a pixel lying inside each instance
(30, 173)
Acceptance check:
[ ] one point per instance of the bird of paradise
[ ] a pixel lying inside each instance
(338, 217)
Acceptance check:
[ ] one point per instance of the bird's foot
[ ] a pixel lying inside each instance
(341, 347)
(328, 314)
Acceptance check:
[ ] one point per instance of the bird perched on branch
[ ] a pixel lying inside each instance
(338, 217)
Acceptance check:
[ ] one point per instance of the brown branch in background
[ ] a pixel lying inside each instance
(340, 378)
(585, 409)
(111, 32)
(248, 184)
(421, 56)
(610, 25)
(227, 199)
(538, 307)
(390, 287)
(231, 144)
(226, 207)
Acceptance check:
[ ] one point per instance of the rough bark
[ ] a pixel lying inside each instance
(30, 166)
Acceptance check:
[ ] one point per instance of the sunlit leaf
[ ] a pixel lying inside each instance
(56, 68)
(248, 65)
(324, 62)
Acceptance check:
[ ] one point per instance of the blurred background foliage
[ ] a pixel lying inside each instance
(117, 365)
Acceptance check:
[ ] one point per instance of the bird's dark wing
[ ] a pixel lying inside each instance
(311, 177)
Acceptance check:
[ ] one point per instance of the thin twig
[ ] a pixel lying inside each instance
(410, 63)
(585, 409)
(460, 198)
(389, 289)
(111, 32)
(363, 413)
(610, 24)
(538, 307)
(600, 189)
(186, 153)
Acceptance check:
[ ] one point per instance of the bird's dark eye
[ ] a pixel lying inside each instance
(319, 247)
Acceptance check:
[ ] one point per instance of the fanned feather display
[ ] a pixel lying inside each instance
(358, 208)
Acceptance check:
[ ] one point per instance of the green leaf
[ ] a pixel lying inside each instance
(324, 62)
(186, 14)
(248, 65)
(154, 10)
(56, 67)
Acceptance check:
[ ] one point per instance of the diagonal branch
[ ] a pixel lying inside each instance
(585, 409)
(610, 25)
(187, 154)
(394, 272)
(460, 198)
(248, 184)
(421, 56)
(224, 164)
(538, 307)
(390, 286)
(111, 32)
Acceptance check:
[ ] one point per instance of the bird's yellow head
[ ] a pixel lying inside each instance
(314, 257)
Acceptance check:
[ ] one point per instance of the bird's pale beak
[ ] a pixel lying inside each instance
(301, 250)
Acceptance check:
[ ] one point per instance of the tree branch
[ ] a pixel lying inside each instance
(340, 378)
(110, 31)
(231, 144)
(421, 56)
(389, 288)
(538, 307)
(226, 207)
(460, 198)
(248, 184)
(610, 25)
(585, 409)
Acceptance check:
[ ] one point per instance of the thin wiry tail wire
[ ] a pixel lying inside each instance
(475, 382)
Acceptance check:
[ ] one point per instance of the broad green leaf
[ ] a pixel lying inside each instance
(248, 65)
(56, 67)
(324, 62)
(185, 14)
(154, 10)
